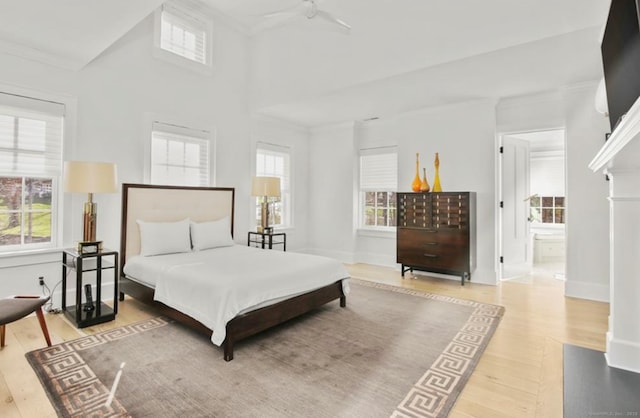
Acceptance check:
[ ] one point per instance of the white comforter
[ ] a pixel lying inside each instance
(213, 286)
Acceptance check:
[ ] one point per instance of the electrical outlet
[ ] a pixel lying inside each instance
(41, 281)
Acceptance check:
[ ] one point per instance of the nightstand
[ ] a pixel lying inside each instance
(265, 240)
(95, 264)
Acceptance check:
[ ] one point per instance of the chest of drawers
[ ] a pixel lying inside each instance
(436, 232)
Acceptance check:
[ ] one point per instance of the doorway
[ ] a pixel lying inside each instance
(532, 192)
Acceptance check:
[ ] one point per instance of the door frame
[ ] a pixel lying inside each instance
(499, 187)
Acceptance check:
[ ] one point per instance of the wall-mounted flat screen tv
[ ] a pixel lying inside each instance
(621, 57)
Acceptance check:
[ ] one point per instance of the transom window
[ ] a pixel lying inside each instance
(179, 156)
(184, 31)
(547, 209)
(30, 169)
(378, 186)
(274, 161)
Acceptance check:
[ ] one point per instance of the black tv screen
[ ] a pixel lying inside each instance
(621, 58)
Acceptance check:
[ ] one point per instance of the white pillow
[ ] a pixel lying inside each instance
(164, 237)
(211, 234)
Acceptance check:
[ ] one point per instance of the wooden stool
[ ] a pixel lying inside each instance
(17, 307)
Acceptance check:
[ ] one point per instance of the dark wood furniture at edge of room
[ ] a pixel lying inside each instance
(436, 232)
(96, 263)
(242, 326)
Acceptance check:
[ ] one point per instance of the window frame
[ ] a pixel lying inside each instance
(30, 103)
(538, 221)
(363, 190)
(286, 183)
(206, 67)
(176, 131)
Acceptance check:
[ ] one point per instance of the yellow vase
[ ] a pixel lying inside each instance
(415, 186)
(424, 185)
(436, 180)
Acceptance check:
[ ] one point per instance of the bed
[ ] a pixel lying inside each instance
(225, 290)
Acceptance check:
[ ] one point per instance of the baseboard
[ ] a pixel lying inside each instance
(377, 259)
(623, 354)
(586, 290)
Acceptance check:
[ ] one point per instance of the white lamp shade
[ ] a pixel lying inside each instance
(266, 186)
(90, 177)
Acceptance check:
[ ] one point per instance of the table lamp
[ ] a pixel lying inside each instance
(89, 177)
(265, 187)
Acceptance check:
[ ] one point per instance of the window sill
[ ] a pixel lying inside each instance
(376, 233)
(29, 257)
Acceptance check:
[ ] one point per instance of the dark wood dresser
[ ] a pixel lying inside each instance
(436, 232)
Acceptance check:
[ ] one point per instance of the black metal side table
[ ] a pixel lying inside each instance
(264, 240)
(83, 314)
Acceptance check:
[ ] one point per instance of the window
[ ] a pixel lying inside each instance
(184, 32)
(30, 168)
(547, 209)
(378, 185)
(273, 161)
(179, 156)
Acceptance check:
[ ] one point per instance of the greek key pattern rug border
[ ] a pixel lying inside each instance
(442, 382)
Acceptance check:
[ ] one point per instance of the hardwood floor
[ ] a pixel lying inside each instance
(519, 375)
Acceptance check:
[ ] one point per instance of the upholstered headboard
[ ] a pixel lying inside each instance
(153, 203)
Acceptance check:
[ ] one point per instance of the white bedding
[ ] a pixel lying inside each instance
(213, 286)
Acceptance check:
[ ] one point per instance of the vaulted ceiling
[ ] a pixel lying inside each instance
(399, 56)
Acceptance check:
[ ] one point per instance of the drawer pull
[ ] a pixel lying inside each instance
(430, 243)
(431, 255)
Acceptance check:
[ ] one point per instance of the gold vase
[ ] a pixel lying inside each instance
(415, 186)
(424, 185)
(436, 180)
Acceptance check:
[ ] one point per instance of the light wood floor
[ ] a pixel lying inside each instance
(519, 375)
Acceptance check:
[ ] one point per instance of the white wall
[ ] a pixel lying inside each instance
(587, 208)
(332, 191)
(587, 261)
(114, 93)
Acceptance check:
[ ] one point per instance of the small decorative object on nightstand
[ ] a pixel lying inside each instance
(265, 240)
(93, 311)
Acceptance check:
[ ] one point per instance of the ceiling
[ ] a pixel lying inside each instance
(399, 56)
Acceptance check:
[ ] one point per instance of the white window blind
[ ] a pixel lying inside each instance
(179, 155)
(379, 169)
(274, 161)
(183, 33)
(31, 138)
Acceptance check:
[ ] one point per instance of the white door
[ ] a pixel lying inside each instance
(515, 251)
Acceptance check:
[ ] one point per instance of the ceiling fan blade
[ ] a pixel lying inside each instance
(272, 20)
(332, 19)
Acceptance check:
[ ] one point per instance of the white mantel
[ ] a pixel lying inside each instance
(619, 158)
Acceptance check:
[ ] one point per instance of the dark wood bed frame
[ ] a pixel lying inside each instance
(242, 326)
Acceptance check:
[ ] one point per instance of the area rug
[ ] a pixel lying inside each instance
(390, 352)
